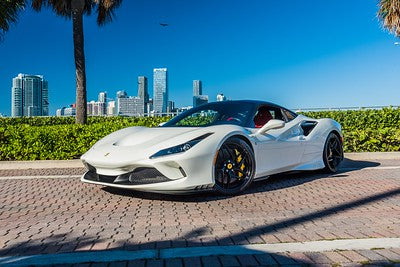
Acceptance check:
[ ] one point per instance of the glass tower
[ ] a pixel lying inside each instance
(197, 88)
(143, 91)
(29, 96)
(160, 90)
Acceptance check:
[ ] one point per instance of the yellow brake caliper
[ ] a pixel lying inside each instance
(238, 159)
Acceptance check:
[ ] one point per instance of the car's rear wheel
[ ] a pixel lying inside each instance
(234, 167)
(333, 153)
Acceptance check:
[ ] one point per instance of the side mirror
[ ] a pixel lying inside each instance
(272, 124)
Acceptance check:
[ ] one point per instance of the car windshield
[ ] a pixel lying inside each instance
(213, 114)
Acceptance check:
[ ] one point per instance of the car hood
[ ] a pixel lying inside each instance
(135, 144)
(144, 136)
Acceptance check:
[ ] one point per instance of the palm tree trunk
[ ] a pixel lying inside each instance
(79, 53)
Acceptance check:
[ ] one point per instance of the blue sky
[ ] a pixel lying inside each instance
(299, 54)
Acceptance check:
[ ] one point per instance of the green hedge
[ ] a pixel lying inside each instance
(367, 130)
(61, 138)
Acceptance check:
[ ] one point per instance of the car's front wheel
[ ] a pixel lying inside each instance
(234, 167)
(333, 153)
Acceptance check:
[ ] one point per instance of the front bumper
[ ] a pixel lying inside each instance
(170, 175)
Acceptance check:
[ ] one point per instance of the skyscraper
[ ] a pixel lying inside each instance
(197, 88)
(120, 94)
(29, 96)
(102, 97)
(160, 90)
(198, 97)
(143, 91)
(111, 110)
(102, 106)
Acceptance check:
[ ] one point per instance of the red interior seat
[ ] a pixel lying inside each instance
(262, 117)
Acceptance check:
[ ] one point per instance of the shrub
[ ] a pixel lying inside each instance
(58, 137)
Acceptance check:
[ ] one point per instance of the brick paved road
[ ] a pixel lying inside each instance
(64, 215)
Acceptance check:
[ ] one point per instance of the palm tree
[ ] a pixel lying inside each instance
(75, 9)
(389, 13)
(9, 10)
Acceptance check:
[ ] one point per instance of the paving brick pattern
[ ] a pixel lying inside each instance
(65, 215)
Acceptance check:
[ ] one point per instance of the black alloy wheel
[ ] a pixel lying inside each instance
(234, 167)
(333, 153)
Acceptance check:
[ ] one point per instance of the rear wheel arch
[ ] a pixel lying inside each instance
(337, 134)
(336, 152)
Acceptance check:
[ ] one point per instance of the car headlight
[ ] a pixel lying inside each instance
(179, 148)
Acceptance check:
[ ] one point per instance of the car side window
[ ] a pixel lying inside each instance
(289, 115)
(265, 114)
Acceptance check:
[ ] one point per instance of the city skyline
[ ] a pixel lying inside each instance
(139, 105)
(142, 94)
(249, 52)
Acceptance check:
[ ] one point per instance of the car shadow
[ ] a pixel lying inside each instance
(274, 182)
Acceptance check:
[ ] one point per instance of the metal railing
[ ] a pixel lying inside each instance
(343, 108)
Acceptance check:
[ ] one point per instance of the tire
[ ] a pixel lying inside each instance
(234, 167)
(333, 153)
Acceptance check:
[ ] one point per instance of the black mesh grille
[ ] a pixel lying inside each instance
(106, 178)
(137, 177)
(147, 176)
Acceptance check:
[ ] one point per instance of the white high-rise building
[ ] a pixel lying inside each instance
(102, 104)
(102, 97)
(111, 109)
(91, 108)
(29, 96)
(160, 90)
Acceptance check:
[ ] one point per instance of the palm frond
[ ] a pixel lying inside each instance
(9, 11)
(62, 7)
(105, 10)
(389, 14)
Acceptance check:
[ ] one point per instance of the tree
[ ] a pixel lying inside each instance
(9, 10)
(389, 13)
(75, 9)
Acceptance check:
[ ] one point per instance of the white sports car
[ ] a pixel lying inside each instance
(222, 146)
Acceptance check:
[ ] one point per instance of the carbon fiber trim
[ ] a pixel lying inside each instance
(139, 176)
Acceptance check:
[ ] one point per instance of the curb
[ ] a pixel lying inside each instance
(41, 164)
(373, 155)
(189, 252)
